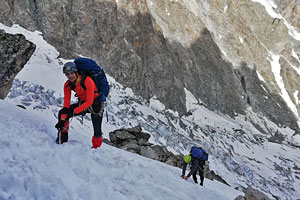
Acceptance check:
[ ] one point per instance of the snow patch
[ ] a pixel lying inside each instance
(191, 101)
(294, 54)
(296, 96)
(156, 104)
(276, 68)
(225, 8)
(241, 39)
(270, 6)
(260, 77)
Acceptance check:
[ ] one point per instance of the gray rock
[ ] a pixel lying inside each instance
(253, 194)
(277, 138)
(15, 51)
(171, 162)
(136, 129)
(144, 136)
(148, 152)
(144, 142)
(132, 146)
(113, 138)
(124, 135)
(106, 141)
(162, 153)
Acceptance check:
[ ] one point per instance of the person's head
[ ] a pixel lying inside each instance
(187, 158)
(70, 70)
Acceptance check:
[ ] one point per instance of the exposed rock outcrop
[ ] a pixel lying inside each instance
(252, 194)
(15, 51)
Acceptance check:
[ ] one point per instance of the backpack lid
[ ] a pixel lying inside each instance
(194, 148)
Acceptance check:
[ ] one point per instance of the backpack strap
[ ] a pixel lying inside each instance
(83, 77)
(72, 85)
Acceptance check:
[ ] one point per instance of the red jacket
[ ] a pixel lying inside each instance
(87, 95)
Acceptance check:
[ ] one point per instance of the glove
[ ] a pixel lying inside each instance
(186, 178)
(182, 176)
(60, 124)
(66, 113)
(70, 114)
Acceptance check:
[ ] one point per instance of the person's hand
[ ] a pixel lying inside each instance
(70, 114)
(66, 113)
(182, 176)
(186, 178)
(60, 124)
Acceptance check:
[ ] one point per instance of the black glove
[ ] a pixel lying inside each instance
(60, 124)
(67, 111)
(70, 114)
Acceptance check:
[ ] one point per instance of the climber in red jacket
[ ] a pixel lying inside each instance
(87, 103)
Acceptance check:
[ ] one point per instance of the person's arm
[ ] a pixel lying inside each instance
(67, 98)
(184, 165)
(90, 92)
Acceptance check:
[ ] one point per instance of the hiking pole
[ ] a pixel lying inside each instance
(65, 128)
(106, 115)
(59, 136)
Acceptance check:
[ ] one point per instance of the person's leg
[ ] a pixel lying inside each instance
(201, 173)
(97, 125)
(195, 177)
(184, 165)
(97, 120)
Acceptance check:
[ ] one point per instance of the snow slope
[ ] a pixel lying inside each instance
(33, 166)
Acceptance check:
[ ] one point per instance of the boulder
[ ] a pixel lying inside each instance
(252, 194)
(148, 152)
(15, 51)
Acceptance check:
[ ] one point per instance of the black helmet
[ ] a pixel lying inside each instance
(69, 67)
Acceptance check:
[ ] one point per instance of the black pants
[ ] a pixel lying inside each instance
(201, 175)
(96, 118)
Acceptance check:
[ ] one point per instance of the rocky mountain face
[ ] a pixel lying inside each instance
(221, 51)
(15, 51)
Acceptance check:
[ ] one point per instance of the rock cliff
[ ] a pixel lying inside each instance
(15, 51)
(221, 51)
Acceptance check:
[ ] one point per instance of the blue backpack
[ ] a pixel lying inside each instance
(199, 153)
(88, 67)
